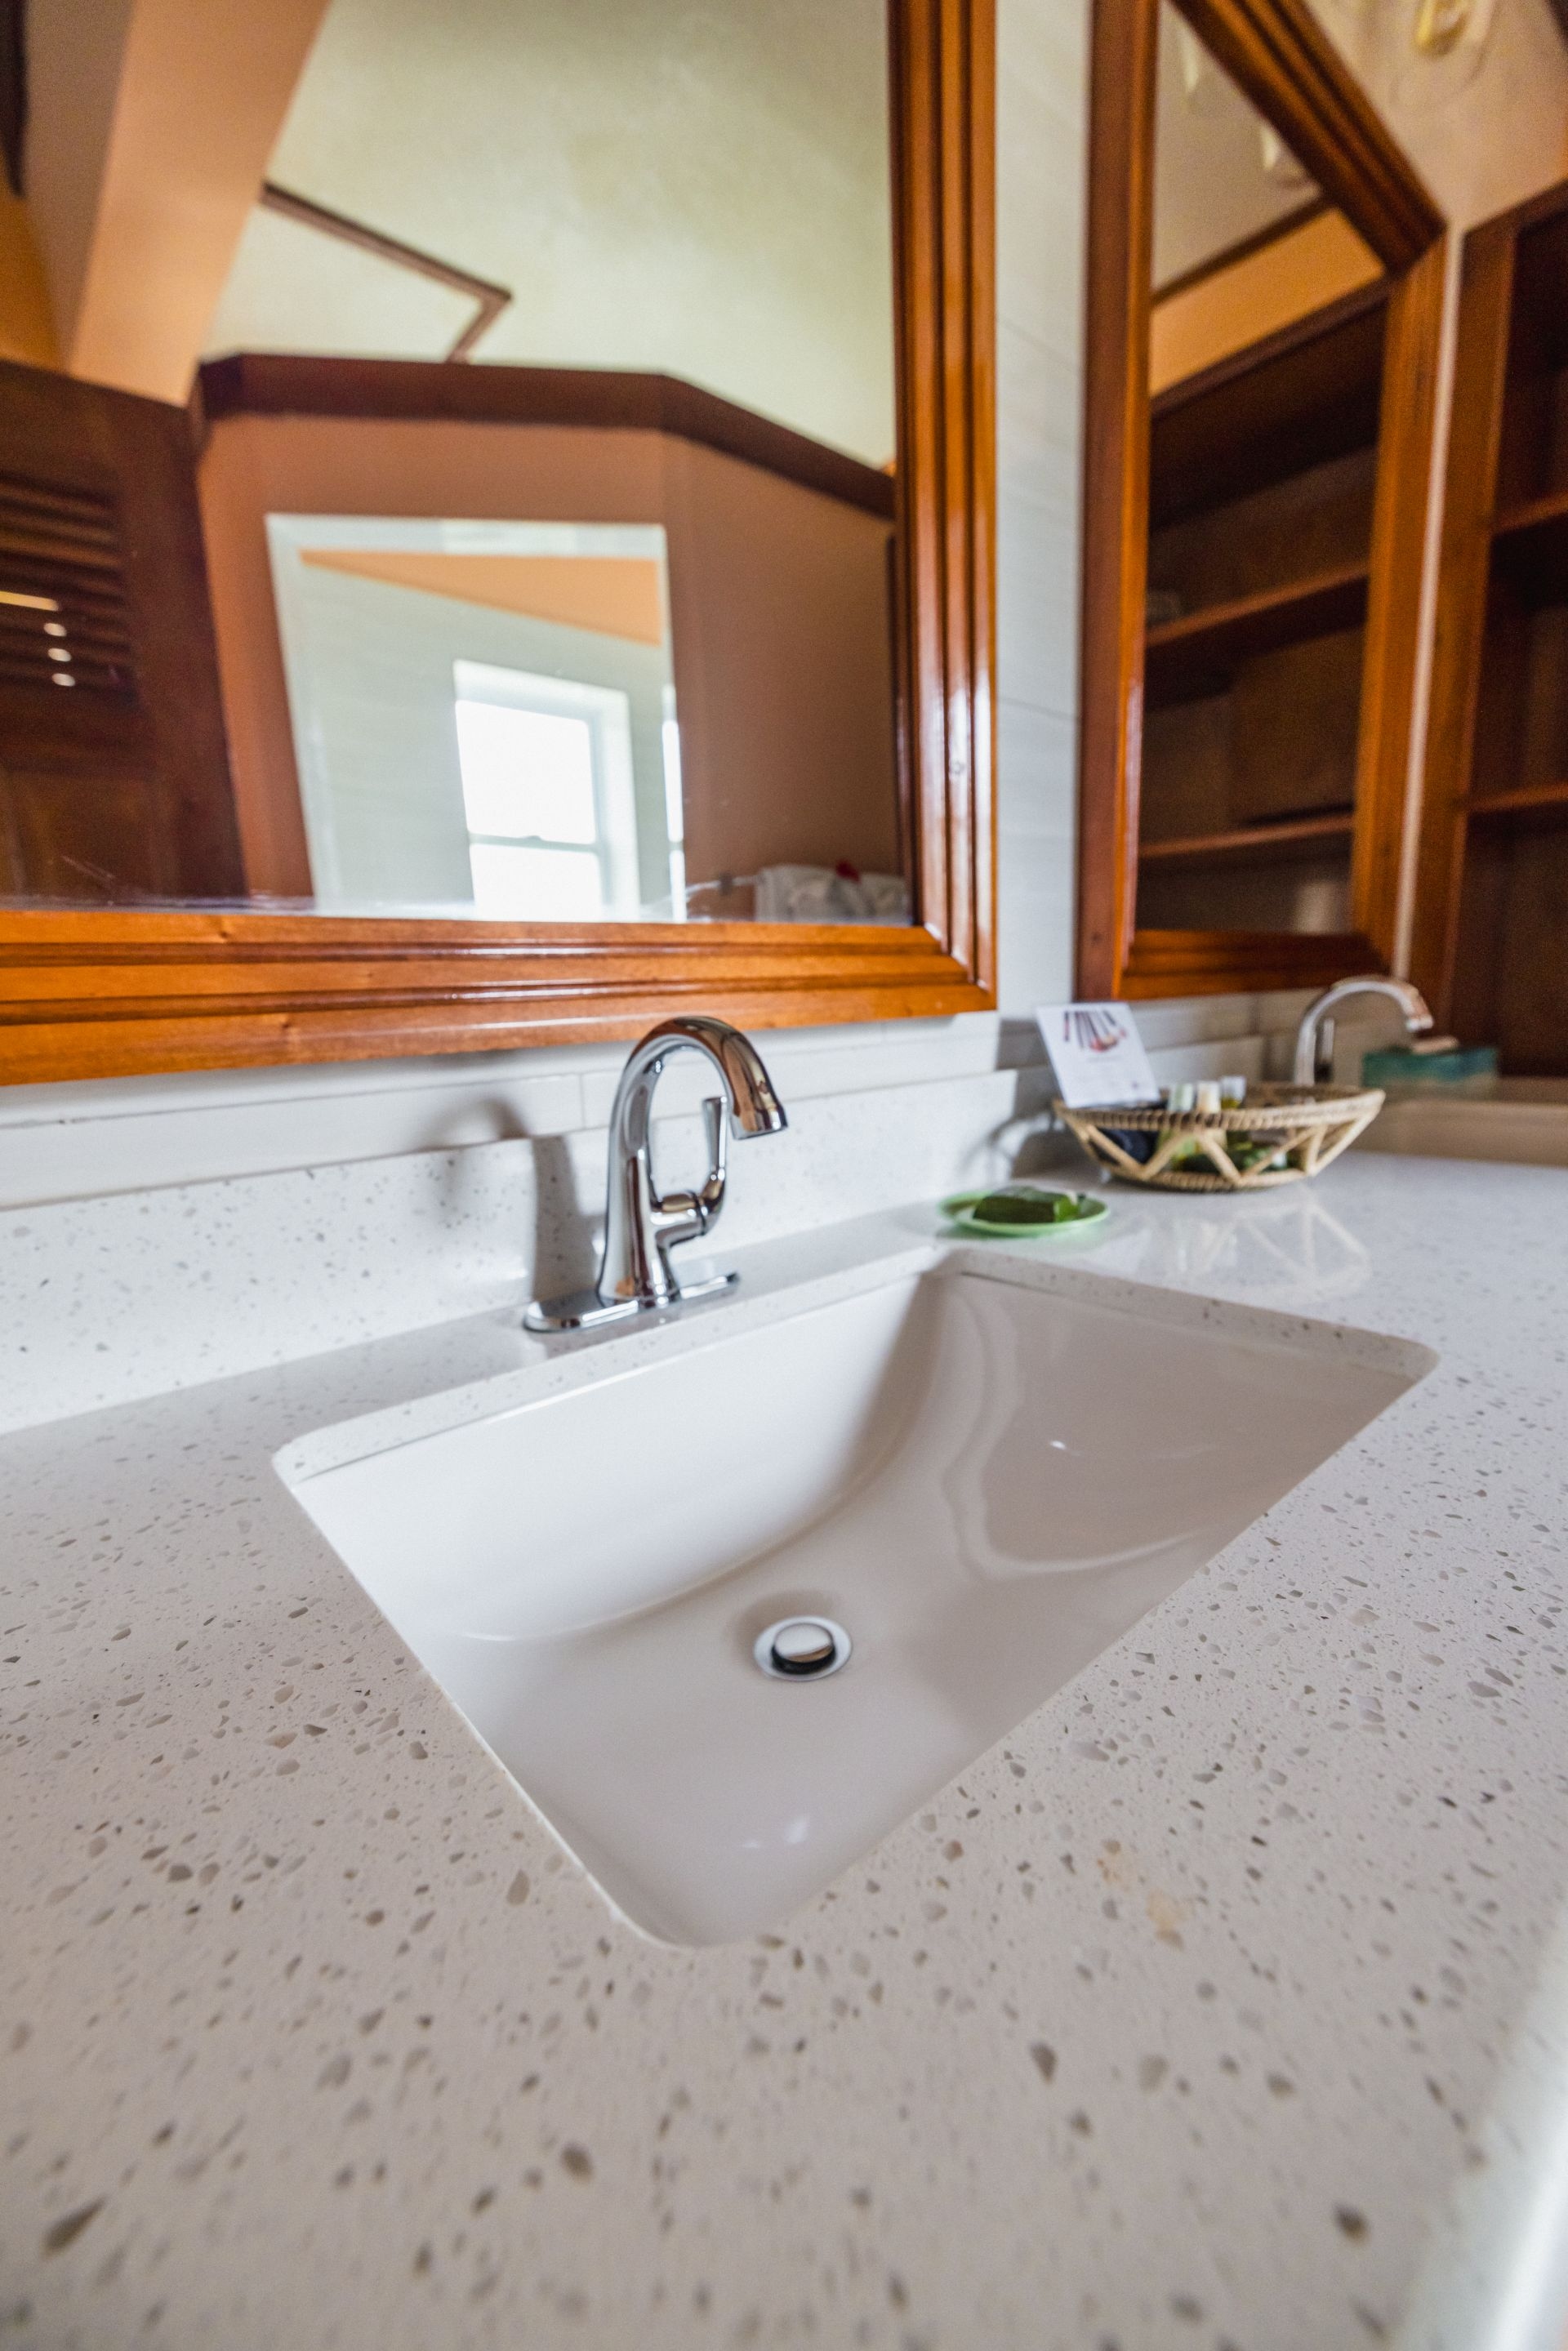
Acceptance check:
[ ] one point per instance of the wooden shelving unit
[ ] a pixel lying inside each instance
(1492, 889)
(1201, 653)
(1531, 542)
(1516, 802)
(1262, 483)
(1249, 844)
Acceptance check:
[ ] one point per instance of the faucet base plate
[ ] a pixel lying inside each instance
(584, 1310)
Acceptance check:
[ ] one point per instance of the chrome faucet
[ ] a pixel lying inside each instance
(1315, 1038)
(641, 1226)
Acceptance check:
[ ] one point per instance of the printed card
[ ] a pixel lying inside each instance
(1097, 1054)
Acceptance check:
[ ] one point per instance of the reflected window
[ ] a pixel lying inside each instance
(546, 791)
(483, 713)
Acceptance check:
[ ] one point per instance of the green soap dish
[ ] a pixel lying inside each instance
(1031, 1214)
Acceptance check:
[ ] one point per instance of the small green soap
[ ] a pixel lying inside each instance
(1024, 1209)
(1027, 1208)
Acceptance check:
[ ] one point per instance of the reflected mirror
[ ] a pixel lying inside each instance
(1266, 354)
(498, 517)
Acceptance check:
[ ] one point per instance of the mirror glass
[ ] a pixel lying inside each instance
(481, 501)
(1266, 352)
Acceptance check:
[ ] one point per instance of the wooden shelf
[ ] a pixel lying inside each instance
(1200, 653)
(1522, 798)
(1531, 542)
(1252, 844)
(1492, 877)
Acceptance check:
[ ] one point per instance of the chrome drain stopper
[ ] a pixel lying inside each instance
(802, 1648)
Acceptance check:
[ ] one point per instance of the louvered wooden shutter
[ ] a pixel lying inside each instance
(64, 623)
(114, 781)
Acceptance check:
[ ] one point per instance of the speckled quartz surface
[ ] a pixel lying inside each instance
(1218, 2005)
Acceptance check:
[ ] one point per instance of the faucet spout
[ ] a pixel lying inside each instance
(1315, 1038)
(642, 1225)
(753, 1108)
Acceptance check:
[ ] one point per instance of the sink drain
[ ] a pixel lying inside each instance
(802, 1648)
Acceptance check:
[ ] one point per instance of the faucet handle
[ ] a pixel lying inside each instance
(715, 1126)
(684, 1216)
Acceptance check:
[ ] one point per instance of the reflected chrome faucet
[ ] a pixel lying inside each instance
(641, 1226)
(1315, 1038)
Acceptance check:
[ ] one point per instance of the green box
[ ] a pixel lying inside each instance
(1471, 1066)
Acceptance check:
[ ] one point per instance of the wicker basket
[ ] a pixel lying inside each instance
(1308, 1125)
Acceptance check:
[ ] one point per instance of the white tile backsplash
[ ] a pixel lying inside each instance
(103, 1300)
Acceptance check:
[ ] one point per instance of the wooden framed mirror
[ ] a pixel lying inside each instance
(231, 488)
(1264, 310)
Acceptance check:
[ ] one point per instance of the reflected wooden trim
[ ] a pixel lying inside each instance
(1401, 503)
(93, 996)
(1219, 963)
(1464, 572)
(87, 996)
(604, 400)
(1289, 67)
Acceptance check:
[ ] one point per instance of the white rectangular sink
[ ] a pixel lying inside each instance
(983, 1473)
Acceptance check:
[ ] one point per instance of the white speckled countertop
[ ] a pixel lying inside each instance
(1221, 2005)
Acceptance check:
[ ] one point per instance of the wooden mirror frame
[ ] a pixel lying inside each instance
(121, 992)
(1277, 53)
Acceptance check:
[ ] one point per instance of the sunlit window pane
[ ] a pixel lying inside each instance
(535, 886)
(525, 772)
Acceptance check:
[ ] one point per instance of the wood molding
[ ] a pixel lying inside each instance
(1402, 502)
(84, 994)
(1115, 526)
(623, 400)
(1219, 963)
(1290, 68)
(943, 147)
(112, 995)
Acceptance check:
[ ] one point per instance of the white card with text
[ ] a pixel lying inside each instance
(1097, 1054)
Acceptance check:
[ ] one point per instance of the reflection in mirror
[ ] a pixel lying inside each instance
(535, 562)
(482, 710)
(1266, 355)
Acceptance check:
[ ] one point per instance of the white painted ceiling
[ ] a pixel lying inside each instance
(692, 185)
